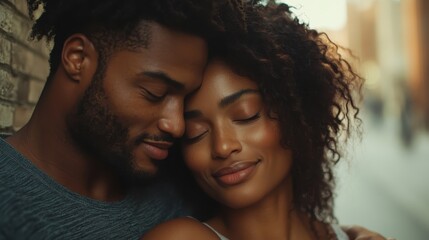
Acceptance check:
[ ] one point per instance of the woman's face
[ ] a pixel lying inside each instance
(230, 144)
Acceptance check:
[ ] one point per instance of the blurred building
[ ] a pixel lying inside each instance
(390, 38)
(384, 184)
(382, 181)
(417, 36)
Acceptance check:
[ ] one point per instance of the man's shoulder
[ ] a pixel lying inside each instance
(12, 164)
(7, 151)
(161, 198)
(8, 165)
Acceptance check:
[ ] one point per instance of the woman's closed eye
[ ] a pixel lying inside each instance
(194, 133)
(248, 119)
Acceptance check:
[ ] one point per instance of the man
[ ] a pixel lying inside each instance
(110, 110)
(109, 113)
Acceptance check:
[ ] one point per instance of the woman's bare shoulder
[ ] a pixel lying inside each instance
(180, 228)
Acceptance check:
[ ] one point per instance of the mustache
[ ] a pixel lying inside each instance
(162, 137)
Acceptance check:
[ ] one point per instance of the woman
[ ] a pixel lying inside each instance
(262, 132)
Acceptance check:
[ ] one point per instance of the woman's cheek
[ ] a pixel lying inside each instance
(264, 135)
(194, 158)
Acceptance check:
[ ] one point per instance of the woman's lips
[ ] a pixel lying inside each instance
(235, 174)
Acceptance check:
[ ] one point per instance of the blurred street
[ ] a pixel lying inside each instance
(383, 182)
(383, 185)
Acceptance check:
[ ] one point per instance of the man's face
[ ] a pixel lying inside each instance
(133, 110)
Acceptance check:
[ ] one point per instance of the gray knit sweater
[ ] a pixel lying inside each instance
(33, 206)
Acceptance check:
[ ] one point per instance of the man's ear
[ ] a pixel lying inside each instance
(79, 57)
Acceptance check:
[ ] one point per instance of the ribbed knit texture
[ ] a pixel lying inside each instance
(33, 206)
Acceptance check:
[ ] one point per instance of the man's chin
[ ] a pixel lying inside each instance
(139, 176)
(146, 170)
(147, 173)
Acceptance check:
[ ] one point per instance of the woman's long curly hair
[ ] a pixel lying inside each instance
(308, 87)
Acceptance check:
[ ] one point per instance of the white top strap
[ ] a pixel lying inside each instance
(221, 237)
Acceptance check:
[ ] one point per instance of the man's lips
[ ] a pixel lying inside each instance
(236, 173)
(156, 150)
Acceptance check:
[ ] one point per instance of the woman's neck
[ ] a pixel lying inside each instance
(273, 217)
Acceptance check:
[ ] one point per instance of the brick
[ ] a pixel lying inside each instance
(6, 113)
(21, 117)
(12, 1)
(21, 5)
(43, 48)
(19, 28)
(23, 89)
(5, 50)
(8, 86)
(34, 90)
(27, 62)
(5, 18)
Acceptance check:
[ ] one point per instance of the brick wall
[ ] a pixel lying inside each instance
(23, 66)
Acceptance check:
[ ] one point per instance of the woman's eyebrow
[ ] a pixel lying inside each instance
(225, 101)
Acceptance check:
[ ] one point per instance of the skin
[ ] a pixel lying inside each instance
(140, 95)
(230, 127)
(226, 124)
(53, 141)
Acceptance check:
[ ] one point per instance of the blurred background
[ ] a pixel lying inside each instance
(383, 184)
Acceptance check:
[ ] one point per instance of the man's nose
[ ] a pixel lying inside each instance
(172, 120)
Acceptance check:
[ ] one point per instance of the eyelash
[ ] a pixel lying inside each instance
(153, 97)
(241, 121)
(250, 119)
(193, 139)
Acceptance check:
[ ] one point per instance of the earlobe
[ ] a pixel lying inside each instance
(77, 56)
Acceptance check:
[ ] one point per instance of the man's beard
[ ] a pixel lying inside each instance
(98, 132)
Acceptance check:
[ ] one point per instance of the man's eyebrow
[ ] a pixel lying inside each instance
(164, 78)
(235, 96)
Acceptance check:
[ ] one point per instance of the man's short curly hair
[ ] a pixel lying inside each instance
(111, 24)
